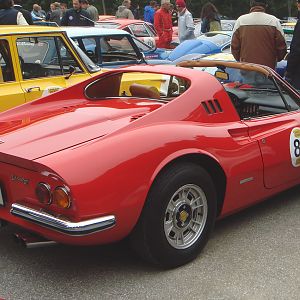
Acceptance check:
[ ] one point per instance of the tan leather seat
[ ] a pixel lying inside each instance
(144, 91)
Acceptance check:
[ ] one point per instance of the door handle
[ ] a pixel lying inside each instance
(32, 88)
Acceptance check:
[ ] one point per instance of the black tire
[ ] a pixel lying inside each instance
(149, 238)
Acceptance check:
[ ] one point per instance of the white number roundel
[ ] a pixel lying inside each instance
(295, 147)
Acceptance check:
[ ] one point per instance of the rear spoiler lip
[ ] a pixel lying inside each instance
(22, 162)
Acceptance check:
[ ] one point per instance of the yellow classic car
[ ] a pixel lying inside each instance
(36, 61)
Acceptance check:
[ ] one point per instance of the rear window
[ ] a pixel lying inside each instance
(139, 85)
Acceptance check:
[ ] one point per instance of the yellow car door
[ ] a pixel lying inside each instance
(11, 93)
(46, 64)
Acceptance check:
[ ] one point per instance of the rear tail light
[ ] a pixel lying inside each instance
(43, 193)
(61, 197)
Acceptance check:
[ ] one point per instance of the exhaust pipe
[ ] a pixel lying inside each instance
(32, 241)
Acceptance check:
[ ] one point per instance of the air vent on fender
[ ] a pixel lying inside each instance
(135, 117)
(212, 106)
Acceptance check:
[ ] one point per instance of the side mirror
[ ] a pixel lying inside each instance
(72, 70)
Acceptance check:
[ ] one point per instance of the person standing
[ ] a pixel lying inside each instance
(174, 15)
(26, 13)
(76, 16)
(52, 8)
(298, 8)
(9, 15)
(91, 9)
(124, 11)
(136, 12)
(258, 37)
(186, 25)
(56, 14)
(210, 20)
(163, 25)
(63, 8)
(293, 61)
(149, 12)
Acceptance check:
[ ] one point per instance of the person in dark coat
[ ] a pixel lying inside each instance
(210, 20)
(56, 14)
(26, 13)
(76, 16)
(9, 15)
(293, 61)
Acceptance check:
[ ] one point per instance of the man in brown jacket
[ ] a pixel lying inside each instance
(258, 37)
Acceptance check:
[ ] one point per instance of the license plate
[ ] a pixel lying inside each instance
(1, 198)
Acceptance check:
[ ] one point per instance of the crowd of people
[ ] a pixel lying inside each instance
(257, 36)
(83, 13)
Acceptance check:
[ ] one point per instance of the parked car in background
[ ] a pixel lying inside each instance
(140, 29)
(36, 61)
(157, 162)
(208, 43)
(280, 67)
(106, 17)
(226, 25)
(108, 48)
(151, 52)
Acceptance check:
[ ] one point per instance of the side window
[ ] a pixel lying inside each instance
(38, 57)
(117, 49)
(257, 95)
(44, 57)
(162, 87)
(139, 30)
(152, 29)
(7, 71)
(89, 46)
(67, 58)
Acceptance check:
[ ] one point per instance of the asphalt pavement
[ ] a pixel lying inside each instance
(252, 255)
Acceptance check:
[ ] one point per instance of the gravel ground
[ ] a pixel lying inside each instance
(252, 255)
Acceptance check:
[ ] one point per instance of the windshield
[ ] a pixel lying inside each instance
(108, 49)
(91, 66)
(142, 46)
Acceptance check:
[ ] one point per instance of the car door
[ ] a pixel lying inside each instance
(276, 128)
(44, 65)
(11, 93)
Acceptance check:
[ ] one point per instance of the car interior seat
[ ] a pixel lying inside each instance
(144, 91)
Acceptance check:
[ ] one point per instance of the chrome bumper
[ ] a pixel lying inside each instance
(63, 226)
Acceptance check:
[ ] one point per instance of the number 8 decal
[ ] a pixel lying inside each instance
(295, 147)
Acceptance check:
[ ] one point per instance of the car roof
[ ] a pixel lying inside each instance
(73, 31)
(123, 21)
(17, 29)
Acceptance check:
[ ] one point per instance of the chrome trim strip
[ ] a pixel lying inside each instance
(246, 180)
(75, 229)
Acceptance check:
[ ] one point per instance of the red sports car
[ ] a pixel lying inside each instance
(157, 161)
(142, 30)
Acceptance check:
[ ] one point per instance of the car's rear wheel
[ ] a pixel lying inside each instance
(178, 216)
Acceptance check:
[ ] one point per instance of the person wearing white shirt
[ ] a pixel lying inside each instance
(186, 25)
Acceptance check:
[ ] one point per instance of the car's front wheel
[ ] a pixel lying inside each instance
(178, 216)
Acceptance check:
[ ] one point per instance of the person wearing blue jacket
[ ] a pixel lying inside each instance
(149, 12)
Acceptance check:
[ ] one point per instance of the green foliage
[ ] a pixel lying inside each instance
(229, 8)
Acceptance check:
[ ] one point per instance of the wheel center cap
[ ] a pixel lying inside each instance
(183, 215)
